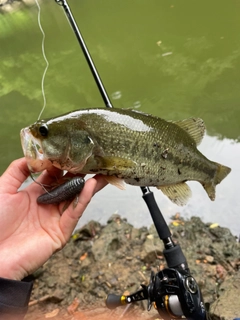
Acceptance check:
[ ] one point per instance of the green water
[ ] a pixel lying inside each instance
(174, 59)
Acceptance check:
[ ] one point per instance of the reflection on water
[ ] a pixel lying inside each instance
(172, 59)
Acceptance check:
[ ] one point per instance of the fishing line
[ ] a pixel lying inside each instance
(44, 56)
(39, 183)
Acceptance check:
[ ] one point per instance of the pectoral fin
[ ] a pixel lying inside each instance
(115, 163)
(195, 127)
(178, 193)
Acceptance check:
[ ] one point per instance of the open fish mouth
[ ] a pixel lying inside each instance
(33, 152)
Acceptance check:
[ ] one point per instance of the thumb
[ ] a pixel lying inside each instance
(14, 176)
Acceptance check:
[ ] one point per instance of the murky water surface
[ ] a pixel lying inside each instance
(174, 59)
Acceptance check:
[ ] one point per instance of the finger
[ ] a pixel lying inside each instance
(70, 175)
(71, 216)
(101, 183)
(14, 176)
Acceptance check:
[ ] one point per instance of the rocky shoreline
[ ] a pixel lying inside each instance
(117, 258)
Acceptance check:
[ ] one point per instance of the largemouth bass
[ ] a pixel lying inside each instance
(125, 145)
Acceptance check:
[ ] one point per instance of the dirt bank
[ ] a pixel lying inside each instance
(117, 258)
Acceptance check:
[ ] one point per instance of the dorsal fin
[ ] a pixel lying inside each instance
(195, 127)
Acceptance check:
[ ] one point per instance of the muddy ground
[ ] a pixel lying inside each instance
(117, 258)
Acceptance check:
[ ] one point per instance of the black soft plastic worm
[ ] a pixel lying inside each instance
(65, 191)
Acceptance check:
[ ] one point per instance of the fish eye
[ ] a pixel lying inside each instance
(43, 129)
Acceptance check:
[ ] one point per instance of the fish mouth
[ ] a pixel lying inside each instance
(33, 152)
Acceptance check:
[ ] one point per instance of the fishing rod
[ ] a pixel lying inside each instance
(173, 290)
(86, 53)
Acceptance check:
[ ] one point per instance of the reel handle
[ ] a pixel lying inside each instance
(113, 301)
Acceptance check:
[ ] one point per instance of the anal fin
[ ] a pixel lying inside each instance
(177, 193)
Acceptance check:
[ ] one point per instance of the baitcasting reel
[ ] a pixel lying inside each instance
(173, 293)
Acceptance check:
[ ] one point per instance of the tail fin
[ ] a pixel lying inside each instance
(221, 173)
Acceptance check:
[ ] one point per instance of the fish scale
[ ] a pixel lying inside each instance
(127, 145)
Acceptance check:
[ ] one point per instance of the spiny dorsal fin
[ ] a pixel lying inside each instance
(177, 193)
(195, 127)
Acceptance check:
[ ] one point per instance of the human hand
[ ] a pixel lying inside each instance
(29, 232)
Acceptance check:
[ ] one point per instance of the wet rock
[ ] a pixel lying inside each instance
(51, 281)
(86, 262)
(113, 238)
(151, 249)
(209, 259)
(228, 302)
(87, 232)
(75, 275)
